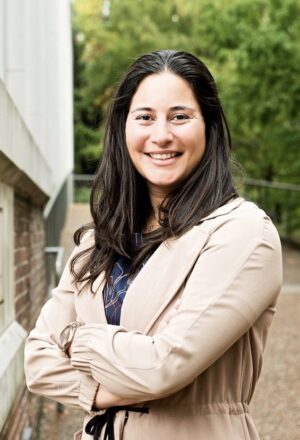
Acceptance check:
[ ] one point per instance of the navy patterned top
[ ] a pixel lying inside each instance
(117, 285)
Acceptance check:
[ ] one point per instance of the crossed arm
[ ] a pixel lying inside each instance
(105, 398)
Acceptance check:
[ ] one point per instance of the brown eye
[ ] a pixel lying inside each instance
(180, 117)
(143, 118)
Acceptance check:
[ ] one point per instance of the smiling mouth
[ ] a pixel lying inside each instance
(163, 156)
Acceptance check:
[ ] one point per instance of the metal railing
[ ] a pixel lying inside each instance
(54, 265)
(56, 211)
(280, 200)
(82, 187)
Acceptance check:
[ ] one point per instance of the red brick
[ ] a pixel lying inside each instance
(21, 286)
(21, 255)
(21, 271)
(22, 301)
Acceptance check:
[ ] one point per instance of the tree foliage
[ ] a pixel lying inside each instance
(251, 47)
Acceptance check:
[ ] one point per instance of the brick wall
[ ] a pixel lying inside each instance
(30, 283)
(30, 275)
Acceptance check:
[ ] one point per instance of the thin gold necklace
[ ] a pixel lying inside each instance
(151, 227)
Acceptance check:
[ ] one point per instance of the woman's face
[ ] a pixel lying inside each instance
(165, 131)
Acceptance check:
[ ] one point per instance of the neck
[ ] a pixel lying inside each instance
(156, 198)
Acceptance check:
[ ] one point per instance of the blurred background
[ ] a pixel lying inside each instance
(60, 61)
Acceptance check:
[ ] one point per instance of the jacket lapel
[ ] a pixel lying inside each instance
(164, 273)
(160, 278)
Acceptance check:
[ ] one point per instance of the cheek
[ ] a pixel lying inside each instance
(199, 141)
(195, 144)
(192, 137)
(128, 136)
(135, 138)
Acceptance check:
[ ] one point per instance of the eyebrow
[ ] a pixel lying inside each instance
(174, 108)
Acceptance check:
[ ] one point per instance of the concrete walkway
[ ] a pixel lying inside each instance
(276, 403)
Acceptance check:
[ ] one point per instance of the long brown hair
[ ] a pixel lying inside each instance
(120, 203)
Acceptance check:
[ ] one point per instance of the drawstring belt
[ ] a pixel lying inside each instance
(95, 425)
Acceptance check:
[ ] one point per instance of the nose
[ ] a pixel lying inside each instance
(161, 133)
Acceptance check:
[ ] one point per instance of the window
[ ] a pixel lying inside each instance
(6, 256)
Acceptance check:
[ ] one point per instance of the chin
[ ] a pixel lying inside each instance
(164, 186)
(165, 182)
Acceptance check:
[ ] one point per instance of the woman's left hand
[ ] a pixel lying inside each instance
(105, 399)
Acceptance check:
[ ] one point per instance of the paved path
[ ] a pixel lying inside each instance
(276, 404)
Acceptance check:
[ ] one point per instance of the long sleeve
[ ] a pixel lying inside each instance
(236, 278)
(48, 372)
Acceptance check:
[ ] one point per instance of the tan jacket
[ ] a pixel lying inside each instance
(198, 374)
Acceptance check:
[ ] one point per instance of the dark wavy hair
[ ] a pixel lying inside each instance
(119, 201)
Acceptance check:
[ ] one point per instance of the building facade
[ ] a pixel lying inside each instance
(36, 162)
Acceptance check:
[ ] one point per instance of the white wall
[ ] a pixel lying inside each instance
(36, 68)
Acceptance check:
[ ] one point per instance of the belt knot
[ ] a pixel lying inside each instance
(96, 424)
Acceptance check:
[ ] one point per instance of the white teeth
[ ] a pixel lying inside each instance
(163, 156)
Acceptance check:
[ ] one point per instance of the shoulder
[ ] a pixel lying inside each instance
(83, 249)
(242, 222)
(238, 207)
(87, 241)
(88, 237)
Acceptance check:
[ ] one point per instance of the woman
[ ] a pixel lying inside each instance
(158, 324)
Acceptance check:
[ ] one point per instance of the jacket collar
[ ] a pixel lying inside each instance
(225, 209)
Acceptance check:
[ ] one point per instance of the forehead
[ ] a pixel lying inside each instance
(164, 89)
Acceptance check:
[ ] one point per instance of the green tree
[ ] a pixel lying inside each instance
(251, 47)
(261, 87)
